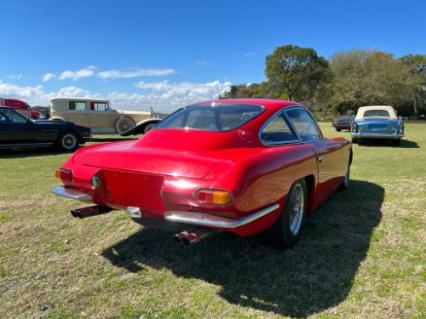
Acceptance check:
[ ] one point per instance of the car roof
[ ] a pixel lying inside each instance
(270, 104)
(375, 107)
(79, 98)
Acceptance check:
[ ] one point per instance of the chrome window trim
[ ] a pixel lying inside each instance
(303, 108)
(290, 125)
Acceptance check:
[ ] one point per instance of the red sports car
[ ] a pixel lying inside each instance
(239, 165)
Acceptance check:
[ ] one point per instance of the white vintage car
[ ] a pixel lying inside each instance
(98, 115)
(377, 122)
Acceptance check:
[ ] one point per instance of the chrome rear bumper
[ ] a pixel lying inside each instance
(206, 220)
(377, 135)
(72, 194)
(189, 218)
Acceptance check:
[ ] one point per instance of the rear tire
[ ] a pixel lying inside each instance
(354, 140)
(287, 230)
(123, 124)
(338, 129)
(68, 142)
(396, 142)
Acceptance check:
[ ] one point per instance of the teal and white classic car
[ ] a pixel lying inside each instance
(377, 122)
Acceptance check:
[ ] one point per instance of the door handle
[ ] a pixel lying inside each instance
(320, 158)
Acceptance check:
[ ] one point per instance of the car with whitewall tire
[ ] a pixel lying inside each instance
(98, 115)
(17, 132)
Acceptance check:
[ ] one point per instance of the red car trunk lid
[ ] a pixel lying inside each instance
(128, 157)
(124, 189)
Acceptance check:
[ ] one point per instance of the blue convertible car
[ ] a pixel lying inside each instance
(377, 122)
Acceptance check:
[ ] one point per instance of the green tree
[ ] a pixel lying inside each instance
(417, 64)
(254, 90)
(295, 73)
(363, 77)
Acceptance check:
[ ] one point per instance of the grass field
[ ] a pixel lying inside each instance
(363, 254)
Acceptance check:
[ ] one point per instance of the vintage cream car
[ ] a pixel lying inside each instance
(98, 115)
(377, 122)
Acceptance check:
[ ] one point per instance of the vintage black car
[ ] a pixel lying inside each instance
(343, 123)
(16, 131)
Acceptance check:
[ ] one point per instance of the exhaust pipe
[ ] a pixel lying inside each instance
(85, 212)
(191, 237)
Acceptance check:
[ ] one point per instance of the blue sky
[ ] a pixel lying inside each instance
(168, 53)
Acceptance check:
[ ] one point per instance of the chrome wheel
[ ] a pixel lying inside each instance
(69, 141)
(297, 209)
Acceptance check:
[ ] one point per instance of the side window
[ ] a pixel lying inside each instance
(98, 106)
(277, 131)
(304, 124)
(78, 106)
(3, 118)
(14, 117)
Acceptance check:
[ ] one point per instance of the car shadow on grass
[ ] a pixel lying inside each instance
(387, 143)
(315, 275)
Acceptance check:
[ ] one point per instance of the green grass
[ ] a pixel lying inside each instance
(363, 253)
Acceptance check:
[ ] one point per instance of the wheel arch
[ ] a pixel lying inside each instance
(310, 184)
(57, 118)
(139, 128)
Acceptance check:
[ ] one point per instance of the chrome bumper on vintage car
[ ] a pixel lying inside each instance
(377, 135)
(72, 194)
(206, 220)
(190, 218)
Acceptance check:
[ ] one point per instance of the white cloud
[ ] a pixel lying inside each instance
(249, 54)
(15, 77)
(205, 63)
(79, 74)
(165, 95)
(162, 96)
(109, 74)
(48, 76)
(36, 95)
(133, 73)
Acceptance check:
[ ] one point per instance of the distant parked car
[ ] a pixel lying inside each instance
(43, 110)
(377, 122)
(343, 123)
(21, 107)
(16, 131)
(100, 117)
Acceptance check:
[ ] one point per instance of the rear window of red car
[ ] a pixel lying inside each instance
(212, 118)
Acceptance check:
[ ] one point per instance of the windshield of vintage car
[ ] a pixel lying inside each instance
(211, 118)
(376, 113)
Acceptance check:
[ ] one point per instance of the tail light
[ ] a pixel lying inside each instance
(214, 196)
(35, 115)
(65, 175)
(355, 127)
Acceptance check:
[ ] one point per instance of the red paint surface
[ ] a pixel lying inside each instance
(163, 169)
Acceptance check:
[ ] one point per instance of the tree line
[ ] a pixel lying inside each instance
(340, 85)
